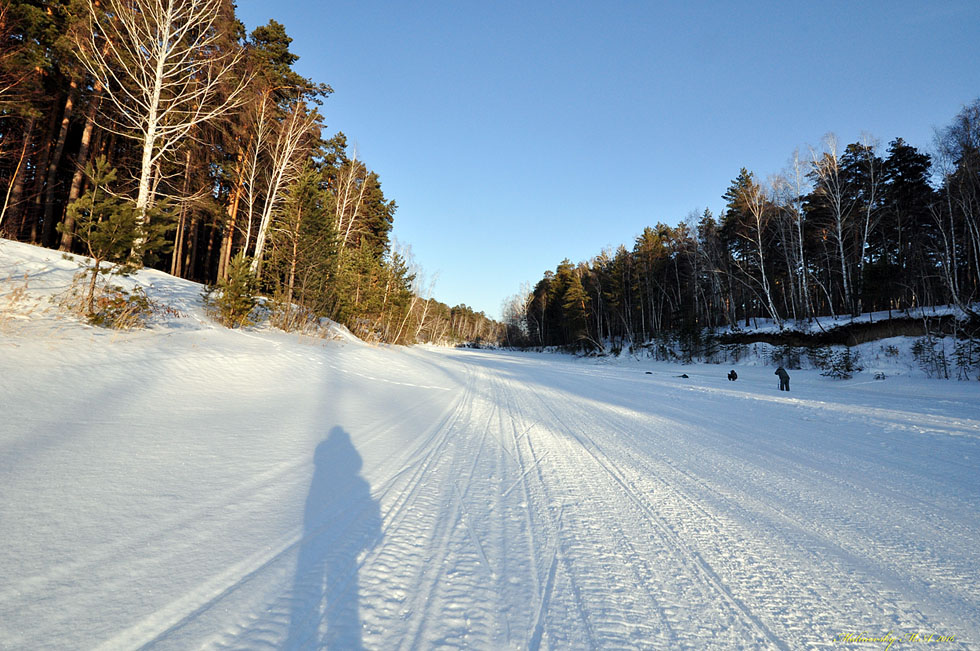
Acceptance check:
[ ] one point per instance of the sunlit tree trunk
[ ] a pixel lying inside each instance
(832, 187)
(12, 202)
(284, 169)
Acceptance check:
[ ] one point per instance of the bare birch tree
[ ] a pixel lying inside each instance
(164, 69)
(423, 289)
(831, 186)
(958, 158)
(284, 166)
(758, 205)
(250, 164)
(352, 185)
(870, 214)
(797, 184)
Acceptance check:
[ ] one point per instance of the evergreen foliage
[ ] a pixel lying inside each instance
(819, 356)
(842, 365)
(863, 229)
(930, 353)
(303, 256)
(234, 298)
(110, 229)
(789, 357)
(966, 357)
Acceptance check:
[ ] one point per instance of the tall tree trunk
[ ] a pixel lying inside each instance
(176, 266)
(228, 238)
(48, 235)
(843, 266)
(293, 263)
(15, 191)
(190, 257)
(790, 275)
(804, 280)
(287, 145)
(75, 191)
(209, 252)
(39, 178)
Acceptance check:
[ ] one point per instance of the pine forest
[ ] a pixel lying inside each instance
(215, 146)
(170, 123)
(846, 230)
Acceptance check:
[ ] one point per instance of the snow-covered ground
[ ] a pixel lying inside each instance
(188, 486)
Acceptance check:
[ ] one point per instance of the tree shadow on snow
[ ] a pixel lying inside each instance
(339, 522)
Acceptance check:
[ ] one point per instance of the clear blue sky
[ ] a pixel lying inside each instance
(513, 134)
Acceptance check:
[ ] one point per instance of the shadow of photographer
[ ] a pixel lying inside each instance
(340, 521)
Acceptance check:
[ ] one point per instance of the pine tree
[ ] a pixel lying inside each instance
(575, 312)
(233, 298)
(108, 226)
(907, 235)
(303, 252)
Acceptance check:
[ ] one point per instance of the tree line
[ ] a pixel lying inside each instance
(216, 143)
(845, 230)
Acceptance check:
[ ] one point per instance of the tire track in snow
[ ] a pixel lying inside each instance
(696, 530)
(815, 495)
(157, 628)
(540, 499)
(403, 473)
(678, 542)
(792, 575)
(585, 592)
(543, 492)
(542, 589)
(695, 563)
(822, 540)
(431, 576)
(538, 630)
(538, 528)
(473, 524)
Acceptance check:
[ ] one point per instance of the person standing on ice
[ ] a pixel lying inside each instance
(783, 378)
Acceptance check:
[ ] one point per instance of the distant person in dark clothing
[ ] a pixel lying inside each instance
(732, 375)
(783, 379)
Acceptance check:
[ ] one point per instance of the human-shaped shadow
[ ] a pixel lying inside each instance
(339, 522)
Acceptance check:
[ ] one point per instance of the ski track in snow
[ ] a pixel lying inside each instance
(160, 490)
(534, 507)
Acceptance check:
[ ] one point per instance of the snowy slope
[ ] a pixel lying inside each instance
(188, 486)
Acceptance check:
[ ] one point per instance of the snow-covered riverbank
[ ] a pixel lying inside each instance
(188, 486)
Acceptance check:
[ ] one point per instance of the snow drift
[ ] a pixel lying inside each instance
(188, 486)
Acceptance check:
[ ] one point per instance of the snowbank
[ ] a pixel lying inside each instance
(188, 486)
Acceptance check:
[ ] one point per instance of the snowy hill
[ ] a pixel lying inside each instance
(188, 486)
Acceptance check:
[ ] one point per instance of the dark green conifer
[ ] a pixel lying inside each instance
(109, 228)
(233, 298)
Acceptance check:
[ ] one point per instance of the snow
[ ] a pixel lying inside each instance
(187, 486)
(824, 323)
